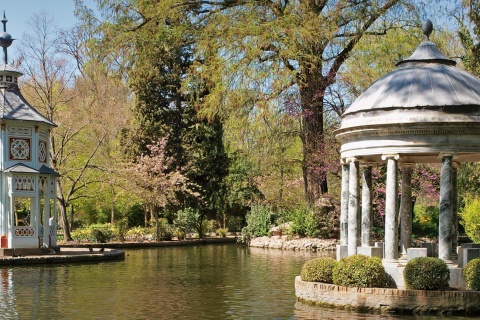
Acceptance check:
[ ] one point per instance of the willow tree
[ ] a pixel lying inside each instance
(256, 52)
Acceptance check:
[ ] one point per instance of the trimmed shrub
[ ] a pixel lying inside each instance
(318, 270)
(361, 272)
(426, 273)
(471, 274)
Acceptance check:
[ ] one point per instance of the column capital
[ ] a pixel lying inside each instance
(349, 160)
(442, 155)
(366, 164)
(407, 164)
(394, 156)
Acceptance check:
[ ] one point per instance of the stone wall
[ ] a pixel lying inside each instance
(388, 300)
(289, 243)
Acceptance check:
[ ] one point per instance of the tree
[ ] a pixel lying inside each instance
(156, 181)
(254, 52)
(162, 43)
(79, 106)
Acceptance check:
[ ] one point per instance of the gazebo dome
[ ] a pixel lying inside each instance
(427, 106)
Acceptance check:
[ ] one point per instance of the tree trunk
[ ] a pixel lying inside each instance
(72, 212)
(112, 208)
(64, 221)
(157, 227)
(145, 215)
(313, 166)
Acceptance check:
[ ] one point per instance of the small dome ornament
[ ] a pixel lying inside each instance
(427, 28)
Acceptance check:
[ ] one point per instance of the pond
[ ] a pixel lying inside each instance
(202, 282)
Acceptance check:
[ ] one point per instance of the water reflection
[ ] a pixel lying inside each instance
(205, 282)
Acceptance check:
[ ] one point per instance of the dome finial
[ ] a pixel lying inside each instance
(427, 28)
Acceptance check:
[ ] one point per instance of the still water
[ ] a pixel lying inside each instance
(203, 282)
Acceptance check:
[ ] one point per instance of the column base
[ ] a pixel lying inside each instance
(342, 251)
(370, 251)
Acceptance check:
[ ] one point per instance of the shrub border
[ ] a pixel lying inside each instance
(387, 300)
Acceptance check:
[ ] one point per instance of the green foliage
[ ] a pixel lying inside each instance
(190, 220)
(121, 228)
(222, 232)
(135, 215)
(103, 235)
(304, 222)
(471, 57)
(426, 273)
(425, 221)
(180, 234)
(139, 233)
(95, 233)
(360, 271)
(318, 270)
(82, 234)
(259, 221)
(165, 230)
(471, 274)
(241, 188)
(470, 218)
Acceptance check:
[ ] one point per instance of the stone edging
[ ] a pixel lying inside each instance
(287, 243)
(152, 244)
(65, 256)
(388, 300)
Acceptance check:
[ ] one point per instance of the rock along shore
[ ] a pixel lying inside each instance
(289, 243)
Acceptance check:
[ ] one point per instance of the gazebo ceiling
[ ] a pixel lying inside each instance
(425, 107)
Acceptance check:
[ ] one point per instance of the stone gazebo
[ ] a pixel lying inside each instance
(425, 111)
(27, 183)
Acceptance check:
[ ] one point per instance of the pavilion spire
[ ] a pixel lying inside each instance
(5, 39)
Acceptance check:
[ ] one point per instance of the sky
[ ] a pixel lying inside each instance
(18, 12)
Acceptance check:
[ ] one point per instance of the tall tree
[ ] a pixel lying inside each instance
(154, 48)
(276, 50)
(79, 106)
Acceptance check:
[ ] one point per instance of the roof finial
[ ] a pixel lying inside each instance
(4, 21)
(5, 39)
(427, 28)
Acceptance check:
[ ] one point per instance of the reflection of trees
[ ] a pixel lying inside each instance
(7, 295)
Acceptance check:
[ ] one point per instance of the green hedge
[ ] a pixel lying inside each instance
(471, 274)
(360, 271)
(426, 273)
(318, 270)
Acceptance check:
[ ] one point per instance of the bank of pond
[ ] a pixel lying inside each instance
(219, 281)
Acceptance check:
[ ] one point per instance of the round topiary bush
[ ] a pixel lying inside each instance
(318, 270)
(471, 274)
(426, 273)
(360, 271)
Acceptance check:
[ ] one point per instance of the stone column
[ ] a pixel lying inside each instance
(353, 207)
(366, 206)
(391, 248)
(406, 210)
(445, 219)
(454, 210)
(344, 205)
